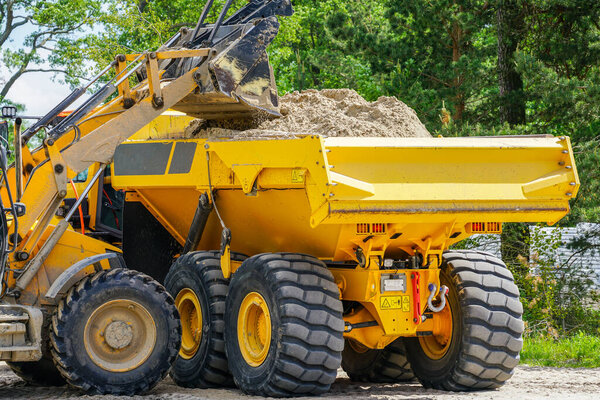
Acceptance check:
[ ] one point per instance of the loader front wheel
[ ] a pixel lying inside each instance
(197, 283)
(115, 332)
(283, 326)
(389, 365)
(484, 313)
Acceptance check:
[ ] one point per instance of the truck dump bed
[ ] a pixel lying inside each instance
(321, 196)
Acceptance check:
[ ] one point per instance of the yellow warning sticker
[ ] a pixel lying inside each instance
(298, 175)
(395, 302)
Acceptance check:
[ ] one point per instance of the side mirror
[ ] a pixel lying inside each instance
(9, 112)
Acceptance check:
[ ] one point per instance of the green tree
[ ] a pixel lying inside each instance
(510, 28)
(447, 47)
(52, 28)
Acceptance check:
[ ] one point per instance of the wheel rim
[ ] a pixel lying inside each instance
(119, 335)
(254, 329)
(436, 346)
(190, 312)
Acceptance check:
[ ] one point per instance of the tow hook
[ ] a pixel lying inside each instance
(433, 290)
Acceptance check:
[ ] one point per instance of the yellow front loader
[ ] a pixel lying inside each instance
(70, 311)
(295, 256)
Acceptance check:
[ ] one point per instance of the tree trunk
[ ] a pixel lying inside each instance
(459, 98)
(510, 27)
(515, 247)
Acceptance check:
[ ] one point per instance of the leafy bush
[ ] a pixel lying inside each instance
(559, 297)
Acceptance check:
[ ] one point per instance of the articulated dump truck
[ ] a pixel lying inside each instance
(298, 255)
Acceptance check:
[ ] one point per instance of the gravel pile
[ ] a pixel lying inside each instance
(329, 112)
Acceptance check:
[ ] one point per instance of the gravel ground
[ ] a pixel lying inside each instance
(527, 383)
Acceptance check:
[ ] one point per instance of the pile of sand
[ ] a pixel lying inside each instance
(329, 112)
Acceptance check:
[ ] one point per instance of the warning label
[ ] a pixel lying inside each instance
(298, 175)
(395, 303)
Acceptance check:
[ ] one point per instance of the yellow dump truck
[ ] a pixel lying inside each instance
(295, 255)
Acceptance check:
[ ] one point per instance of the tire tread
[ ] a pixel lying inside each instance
(207, 266)
(492, 322)
(63, 356)
(311, 324)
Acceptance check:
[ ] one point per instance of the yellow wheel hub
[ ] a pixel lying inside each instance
(191, 322)
(437, 345)
(254, 329)
(119, 335)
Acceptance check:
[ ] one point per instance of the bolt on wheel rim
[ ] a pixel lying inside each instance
(119, 335)
(254, 329)
(190, 312)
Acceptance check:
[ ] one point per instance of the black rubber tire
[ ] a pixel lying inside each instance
(201, 272)
(306, 320)
(42, 372)
(487, 326)
(389, 365)
(68, 323)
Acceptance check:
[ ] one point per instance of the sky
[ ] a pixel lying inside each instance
(37, 92)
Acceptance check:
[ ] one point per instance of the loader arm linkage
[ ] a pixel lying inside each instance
(229, 79)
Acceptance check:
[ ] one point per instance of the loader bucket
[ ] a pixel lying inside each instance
(236, 81)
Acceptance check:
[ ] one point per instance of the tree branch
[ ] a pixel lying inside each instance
(435, 79)
(9, 21)
(46, 70)
(18, 24)
(11, 81)
(181, 25)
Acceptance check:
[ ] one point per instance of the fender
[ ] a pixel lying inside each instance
(69, 276)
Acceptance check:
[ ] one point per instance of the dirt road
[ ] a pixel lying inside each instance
(528, 383)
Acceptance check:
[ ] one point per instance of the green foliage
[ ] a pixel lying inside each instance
(564, 35)
(586, 207)
(53, 27)
(558, 296)
(577, 351)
